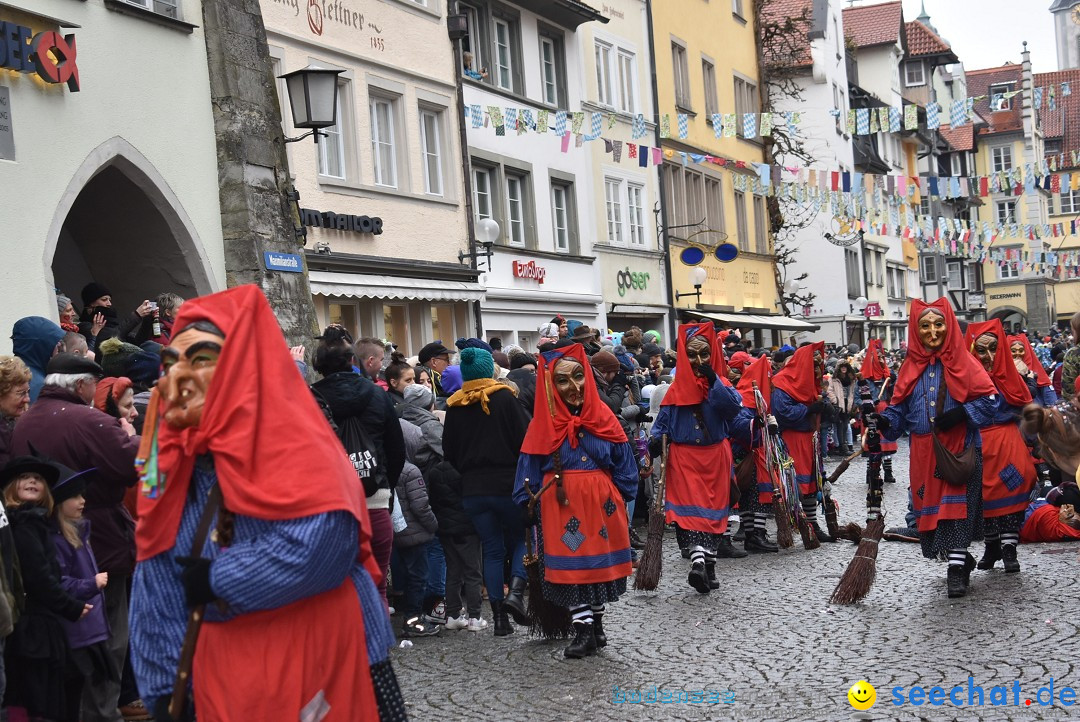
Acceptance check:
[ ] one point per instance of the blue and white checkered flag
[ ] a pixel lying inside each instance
(596, 126)
(1038, 97)
(684, 125)
(958, 114)
(862, 121)
(637, 128)
(749, 125)
(717, 125)
(894, 120)
(933, 116)
(510, 115)
(1066, 90)
(477, 116)
(560, 123)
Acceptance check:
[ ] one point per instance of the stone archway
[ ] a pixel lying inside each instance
(1012, 318)
(120, 224)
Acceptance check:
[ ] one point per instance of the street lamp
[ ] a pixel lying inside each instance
(697, 277)
(860, 304)
(313, 96)
(487, 232)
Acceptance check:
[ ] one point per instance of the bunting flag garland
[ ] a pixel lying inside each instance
(637, 128)
(684, 125)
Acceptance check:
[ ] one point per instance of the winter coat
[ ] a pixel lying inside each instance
(45, 592)
(34, 339)
(77, 571)
(79, 436)
(484, 447)
(132, 328)
(444, 492)
(420, 520)
(526, 384)
(430, 427)
(7, 430)
(616, 396)
(844, 398)
(349, 394)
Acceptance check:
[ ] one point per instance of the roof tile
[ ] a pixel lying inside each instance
(922, 41)
(869, 25)
(1064, 120)
(797, 54)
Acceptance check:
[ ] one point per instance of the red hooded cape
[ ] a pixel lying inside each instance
(872, 368)
(552, 422)
(964, 375)
(1031, 359)
(688, 389)
(797, 379)
(1005, 376)
(275, 456)
(758, 372)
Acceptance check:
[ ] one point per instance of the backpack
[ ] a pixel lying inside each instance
(359, 448)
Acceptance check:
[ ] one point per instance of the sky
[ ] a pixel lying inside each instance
(988, 33)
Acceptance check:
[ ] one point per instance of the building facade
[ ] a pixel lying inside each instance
(94, 149)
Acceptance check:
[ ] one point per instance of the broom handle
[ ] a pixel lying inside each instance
(661, 486)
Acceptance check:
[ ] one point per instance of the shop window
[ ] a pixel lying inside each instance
(344, 314)
(442, 322)
(431, 125)
(396, 324)
(383, 147)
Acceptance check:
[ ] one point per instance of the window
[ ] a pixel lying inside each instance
(708, 75)
(1070, 202)
(482, 185)
(384, 161)
(636, 213)
(676, 200)
(955, 272)
(836, 40)
(737, 7)
(504, 62)
(973, 273)
(956, 164)
(851, 268)
(552, 68)
(168, 8)
(1001, 158)
(627, 82)
(740, 221)
(1004, 212)
(838, 103)
(746, 100)
(472, 42)
(714, 204)
(613, 205)
(515, 209)
(682, 75)
(897, 287)
(560, 216)
(761, 225)
(604, 89)
(997, 92)
(1009, 269)
(928, 269)
(332, 146)
(914, 73)
(431, 143)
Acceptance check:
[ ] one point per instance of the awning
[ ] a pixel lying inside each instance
(356, 285)
(749, 320)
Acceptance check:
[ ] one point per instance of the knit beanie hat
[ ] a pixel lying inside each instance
(521, 360)
(114, 355)
(502, 359)
(476, 363)
(605, 362)
(464, 343)
(451, 379)
(92, 292)
(418, 395)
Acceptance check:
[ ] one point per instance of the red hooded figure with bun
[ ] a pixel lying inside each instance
(872, 367)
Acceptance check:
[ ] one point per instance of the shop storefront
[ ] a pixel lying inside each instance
(88, 157)
(525, 289)
(634, 286)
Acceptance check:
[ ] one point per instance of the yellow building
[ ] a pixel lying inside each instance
(706, 62)
(1061, 130)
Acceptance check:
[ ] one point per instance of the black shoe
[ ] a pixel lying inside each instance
(584, 642)
(821, 535)
(515, 601)
(635, 540)
(758, 543)
(900, 533)
(889, 478)
(741, 534)
(1008, 555)
(598, 630)
(685, 553)
(957, 585)
(710, 572)
(698, 578)
(725, 550)
(969, 564)
(419, 626)
(502, 621)
(991, 555)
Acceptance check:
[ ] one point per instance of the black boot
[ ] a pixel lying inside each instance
(584, 642)
(957, 584)
(889, 478)
(598, 630)
(502, 621)
(758, 543)
(698, 578)
(635, 540)
(515, 601)
(741, 534)
(1008, 555)
(991, 555)
(969, 564)
(685, 553)
(821, 535)
(725, 550)
(710, 572)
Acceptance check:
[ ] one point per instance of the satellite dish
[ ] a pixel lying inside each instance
(692, 256)
(726, 252)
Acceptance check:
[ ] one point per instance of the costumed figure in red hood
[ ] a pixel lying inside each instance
(576, 456)
(1008, 471)
(797, 405)
(875, 391)
(294, 626)
(751, 468)
(942, 391)
(696, 416)
(1042, 388)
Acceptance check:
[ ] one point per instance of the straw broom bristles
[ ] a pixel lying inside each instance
(651, 564)
(859, 576)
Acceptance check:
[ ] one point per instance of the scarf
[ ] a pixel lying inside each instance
(1004, 375)
(477, 390)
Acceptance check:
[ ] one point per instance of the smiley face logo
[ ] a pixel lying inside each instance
(862, 695)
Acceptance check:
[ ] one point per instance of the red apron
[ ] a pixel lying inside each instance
(306, 660)
(764, 481)
(931, 498)
(1008, 472)
(698, 487)
(587, 541)
(800, 445)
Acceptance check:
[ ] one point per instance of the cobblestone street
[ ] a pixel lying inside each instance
(770, 637)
